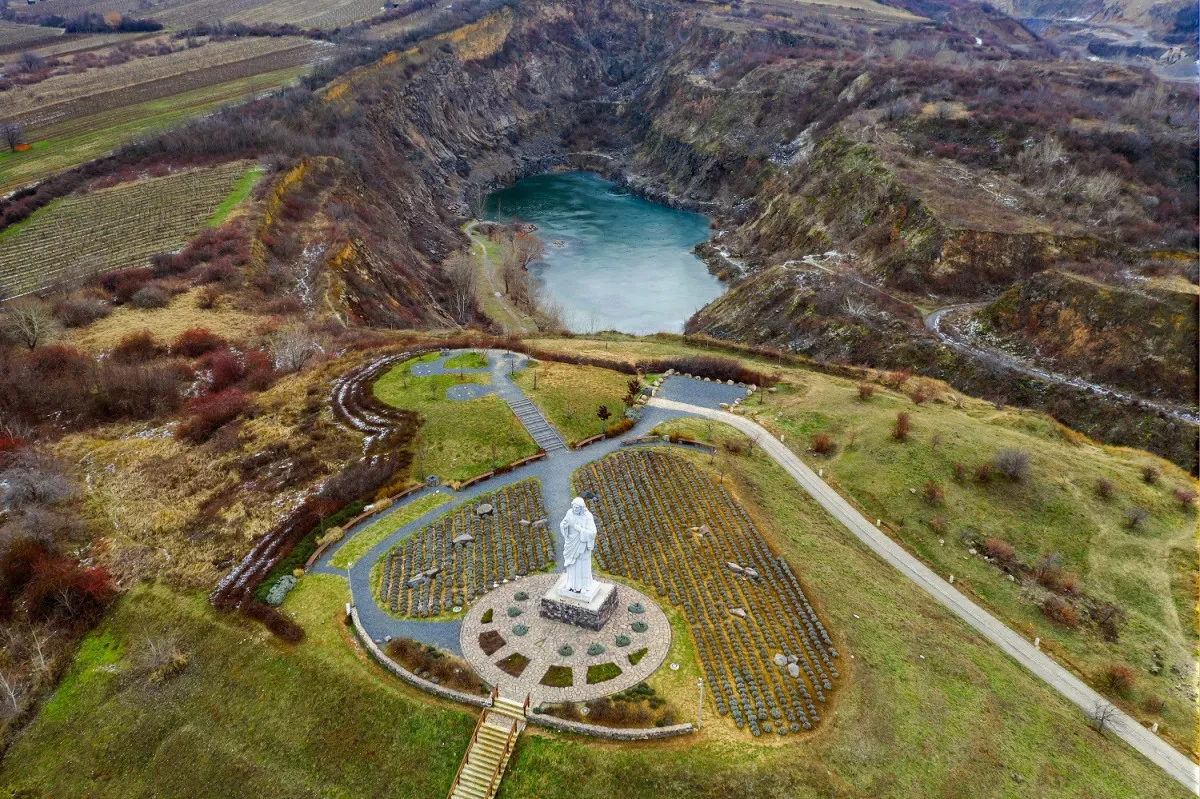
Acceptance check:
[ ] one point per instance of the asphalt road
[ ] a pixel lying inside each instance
(1024, 652)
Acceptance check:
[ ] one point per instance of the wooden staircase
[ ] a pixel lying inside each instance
(491, 746)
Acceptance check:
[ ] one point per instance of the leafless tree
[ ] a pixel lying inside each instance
(13, 689)
(13, 135)
(28, 321)
(1103, 716)
(30, 62)
(463, 282)
(293, 347)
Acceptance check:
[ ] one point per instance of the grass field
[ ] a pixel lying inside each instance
(928, 708)
(372, 534)
(466, 360)
(568, 396)
(113, 228)
(457, 440)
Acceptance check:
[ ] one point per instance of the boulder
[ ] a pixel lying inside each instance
(734, 566)
(484, 510)
(780, 659)
(793, 670)
(465, 538)
(739, 612)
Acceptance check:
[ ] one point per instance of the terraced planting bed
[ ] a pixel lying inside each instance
(112, 228)
(762, 649)
(462, 554)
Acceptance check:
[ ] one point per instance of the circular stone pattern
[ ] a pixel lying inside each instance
(541, 643)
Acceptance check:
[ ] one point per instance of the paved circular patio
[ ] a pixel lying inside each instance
(544, 637)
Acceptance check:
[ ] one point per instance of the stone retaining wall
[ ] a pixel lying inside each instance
(408, 676)
(612, 733)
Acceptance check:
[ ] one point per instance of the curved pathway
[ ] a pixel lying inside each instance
(933, 322)
(1025, 653)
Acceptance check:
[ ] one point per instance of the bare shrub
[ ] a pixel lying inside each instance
(138, 347)
(1048, 570)
(152, 295)
(1109, 617)
(919, 395)
(1149, 475)
(161, 659)
(1060, 611)
(932, 493)
(1012, 463)
(1135, 517)
(865, 391)
(1104, 488)
(196, 341)
(999, 550)
(821, 444)
(1116, 679)
(293, 347)
(1186, 497)
(900, 430)
(983, 473)
(81, 311)
(960, 471)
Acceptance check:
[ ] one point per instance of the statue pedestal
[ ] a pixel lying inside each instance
(591, 613)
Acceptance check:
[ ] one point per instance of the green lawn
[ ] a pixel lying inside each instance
(568, 396)
(241, 190)
(457, 440)
(246, 717)
(372, 534)
(466, 360)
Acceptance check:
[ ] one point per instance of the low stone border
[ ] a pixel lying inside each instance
(542, 720)
(612, 733)
(374, 509)
(408, 676)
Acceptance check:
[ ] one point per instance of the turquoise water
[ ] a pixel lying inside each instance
(613, 261)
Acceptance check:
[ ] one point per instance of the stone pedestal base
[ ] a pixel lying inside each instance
(591, 615)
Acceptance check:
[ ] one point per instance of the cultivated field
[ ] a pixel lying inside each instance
(111, 228)
(305, 13)
(75, 95)
(15, 37)
(80, 139)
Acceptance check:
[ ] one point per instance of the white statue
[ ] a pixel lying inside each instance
(579, 539)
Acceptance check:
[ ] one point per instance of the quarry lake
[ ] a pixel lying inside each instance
(613, 261)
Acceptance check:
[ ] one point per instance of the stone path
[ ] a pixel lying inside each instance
(1024, 652)
(541, 642)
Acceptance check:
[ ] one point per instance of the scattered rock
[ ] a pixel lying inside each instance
(465, 538)
(485, 509)
(780, 659)
(734, 566)
(793, 670)
(793, 659)
(739, 612)
(749, 572)
(523, 522)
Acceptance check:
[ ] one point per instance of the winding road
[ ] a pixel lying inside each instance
(933, 322)
(1025, 653)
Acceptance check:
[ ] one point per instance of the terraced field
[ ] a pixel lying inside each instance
(112, 228)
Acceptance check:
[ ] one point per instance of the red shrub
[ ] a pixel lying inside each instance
(259, 371)
(138, 348)
(900, 430)
(1060, 611)
(226, 368)
(1185, 497)
(983, 473)
(57, 360)
(998, 549)
(932, 492)
(1116, 679)
(821, 444)
(126, 283)
(207, 414)
(865, 391)
(197, 341)
(960, 471)
(919, 395)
